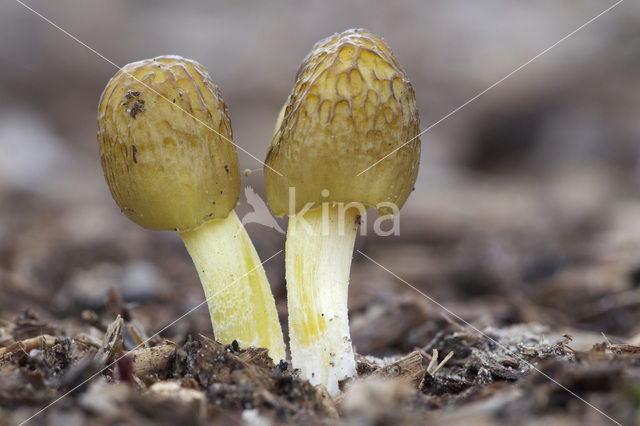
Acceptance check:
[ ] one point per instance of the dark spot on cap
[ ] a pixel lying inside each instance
(131, 95)
(136, 108)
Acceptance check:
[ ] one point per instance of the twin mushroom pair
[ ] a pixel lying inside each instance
(168, 157)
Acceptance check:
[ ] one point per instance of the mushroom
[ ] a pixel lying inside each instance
(351, 106)
(168, 158)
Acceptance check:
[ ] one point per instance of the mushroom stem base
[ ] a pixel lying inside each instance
(318, 260)
(240, 301)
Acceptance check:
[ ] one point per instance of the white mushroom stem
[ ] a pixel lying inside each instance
(318, 260)
(240, 301)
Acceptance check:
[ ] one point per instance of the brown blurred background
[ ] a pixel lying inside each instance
(526, 208)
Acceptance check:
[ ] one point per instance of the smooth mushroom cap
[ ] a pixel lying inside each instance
(352, 105)
(165, 145)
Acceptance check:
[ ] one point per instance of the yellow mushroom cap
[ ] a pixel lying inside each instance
(165, 145)
(351, 106)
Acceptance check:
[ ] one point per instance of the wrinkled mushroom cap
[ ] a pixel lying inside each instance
(351, 106)
(165, 145)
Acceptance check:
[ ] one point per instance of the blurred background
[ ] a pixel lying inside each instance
(526, 208)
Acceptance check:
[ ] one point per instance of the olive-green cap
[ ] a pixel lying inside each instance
(351, 106)
(166, 145)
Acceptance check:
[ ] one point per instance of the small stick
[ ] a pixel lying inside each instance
(622, 347)
(444, 361)
(422, 352)
(434, 359)
(44, 341)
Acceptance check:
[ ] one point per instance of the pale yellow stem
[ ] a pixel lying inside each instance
(240, 301)
(318, 260)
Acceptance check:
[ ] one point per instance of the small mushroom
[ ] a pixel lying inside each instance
(351, 106)
(173, 166)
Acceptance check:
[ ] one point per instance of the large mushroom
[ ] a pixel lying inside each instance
(168, 158)
(352, 105)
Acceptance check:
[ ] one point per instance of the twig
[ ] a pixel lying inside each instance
(620, 348)
(442, 363)
(434, 359)
(44, 341)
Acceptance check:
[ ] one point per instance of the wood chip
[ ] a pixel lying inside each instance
(146, 361)
(24, 346)
(408, 368)
(111, 342)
